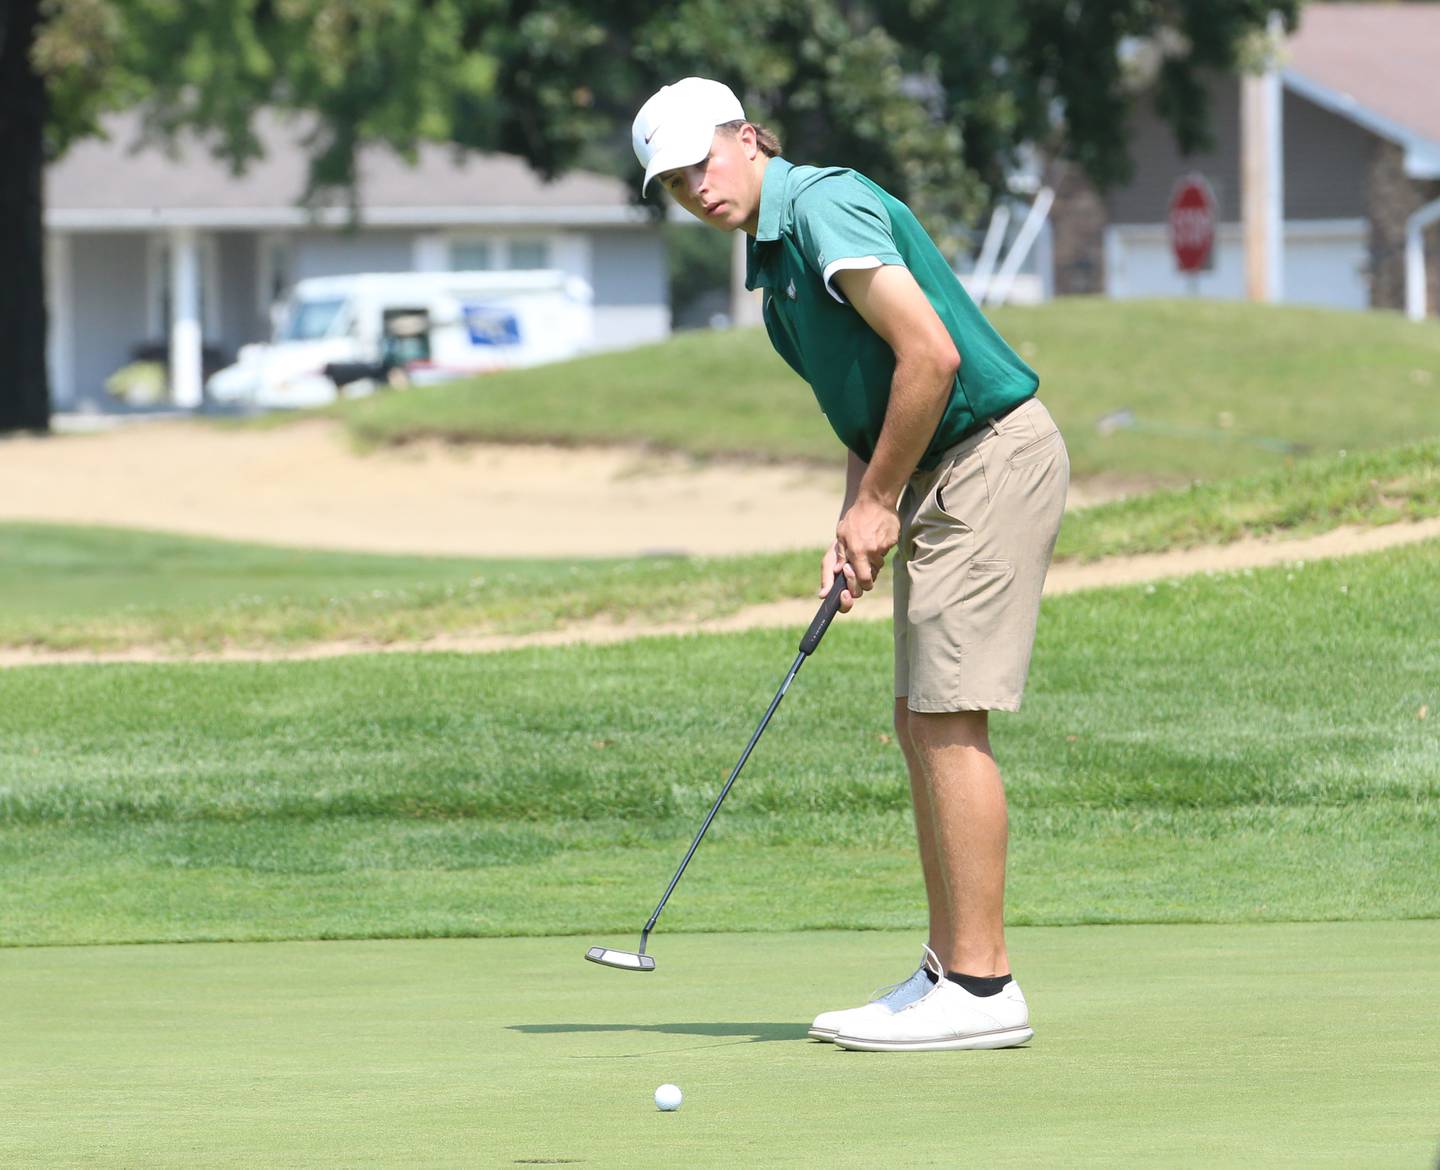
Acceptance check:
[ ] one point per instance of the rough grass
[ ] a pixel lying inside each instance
(1253, 747)
(67, 587)
(1362, 488)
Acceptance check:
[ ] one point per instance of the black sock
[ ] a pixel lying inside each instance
(930, 975)
(983, 986)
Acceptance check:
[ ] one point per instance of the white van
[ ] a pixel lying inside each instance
(407, 327)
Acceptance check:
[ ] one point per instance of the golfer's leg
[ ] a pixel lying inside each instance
(940, 940)
(970, 829)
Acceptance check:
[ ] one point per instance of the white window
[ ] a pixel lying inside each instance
(487, 253)
(471, 256)
(529, 254)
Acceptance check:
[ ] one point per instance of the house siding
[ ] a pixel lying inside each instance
(109, 318)
(1327, 159)
(1158, 162)
(240, 320)
(344, 254)
(1326, 162)
(631, 286)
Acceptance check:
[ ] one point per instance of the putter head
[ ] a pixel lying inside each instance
(624, 960)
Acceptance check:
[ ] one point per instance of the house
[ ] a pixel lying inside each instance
(1359, 151)
(148, 250)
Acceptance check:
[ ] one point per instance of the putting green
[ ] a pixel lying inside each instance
(1294, 1045)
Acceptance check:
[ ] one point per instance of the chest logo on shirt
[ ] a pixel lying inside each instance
(790, 292)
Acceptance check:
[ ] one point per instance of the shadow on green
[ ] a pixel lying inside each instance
(754, 1033)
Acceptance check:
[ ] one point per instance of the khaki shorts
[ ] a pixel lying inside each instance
(976, 535)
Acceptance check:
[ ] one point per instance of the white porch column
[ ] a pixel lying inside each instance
(60, 342)
(186, 336)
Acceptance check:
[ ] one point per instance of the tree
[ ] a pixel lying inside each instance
(24, 394)
(932, 98)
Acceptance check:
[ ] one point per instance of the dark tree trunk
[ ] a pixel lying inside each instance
(24, 386)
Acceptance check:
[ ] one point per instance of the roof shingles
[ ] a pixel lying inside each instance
(101, 175)
(1384, 56)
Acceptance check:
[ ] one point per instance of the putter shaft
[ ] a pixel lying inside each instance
(821, 622)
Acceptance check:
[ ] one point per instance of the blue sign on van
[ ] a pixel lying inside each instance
(491, 324)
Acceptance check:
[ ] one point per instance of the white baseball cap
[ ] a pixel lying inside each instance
(677, 125)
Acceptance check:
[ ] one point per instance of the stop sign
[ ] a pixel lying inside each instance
(1192, 223)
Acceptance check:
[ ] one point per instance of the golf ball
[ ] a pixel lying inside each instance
(668, 1098)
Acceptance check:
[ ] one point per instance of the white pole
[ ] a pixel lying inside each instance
(1034, 221)
(989, 253)
(186, 336)
(1262, 174)
(1415, 259)
(1275, 164)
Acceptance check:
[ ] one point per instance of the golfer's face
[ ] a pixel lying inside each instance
(718, 189)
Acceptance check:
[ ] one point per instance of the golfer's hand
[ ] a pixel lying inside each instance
(834, 562)
(866, 532)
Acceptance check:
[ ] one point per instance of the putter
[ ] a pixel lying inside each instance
(639, 960)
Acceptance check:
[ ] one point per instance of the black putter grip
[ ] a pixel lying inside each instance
(828, 609)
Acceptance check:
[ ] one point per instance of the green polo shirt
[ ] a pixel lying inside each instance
(816, 221)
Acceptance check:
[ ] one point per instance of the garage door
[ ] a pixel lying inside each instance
(1325, 264)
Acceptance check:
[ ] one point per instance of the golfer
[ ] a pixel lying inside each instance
(954, 465)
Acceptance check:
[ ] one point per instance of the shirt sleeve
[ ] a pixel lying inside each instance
(840, 224)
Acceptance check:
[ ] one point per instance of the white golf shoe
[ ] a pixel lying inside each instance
(883, 1003)
(947, 1017)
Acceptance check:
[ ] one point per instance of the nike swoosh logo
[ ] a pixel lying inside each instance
(651, 135)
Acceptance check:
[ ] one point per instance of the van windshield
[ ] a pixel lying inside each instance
(310, 320)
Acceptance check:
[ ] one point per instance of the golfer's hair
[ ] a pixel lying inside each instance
(764, 137)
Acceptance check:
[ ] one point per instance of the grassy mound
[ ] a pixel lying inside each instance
(1166, 390)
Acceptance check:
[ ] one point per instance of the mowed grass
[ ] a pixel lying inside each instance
(64, 588)
(1189, 1048)
(1214, 389)
(1246, 748)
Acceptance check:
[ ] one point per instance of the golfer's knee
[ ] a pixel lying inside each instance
(934, 729)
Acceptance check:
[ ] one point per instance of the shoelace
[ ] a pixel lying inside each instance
(928, 961)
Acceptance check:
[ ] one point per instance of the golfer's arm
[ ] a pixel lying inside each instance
(926, 360)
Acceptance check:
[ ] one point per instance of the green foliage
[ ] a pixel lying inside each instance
(931, 99)
(699, 260)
